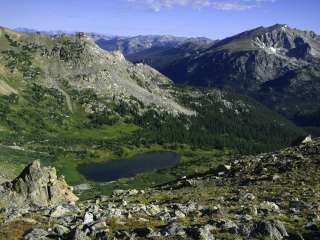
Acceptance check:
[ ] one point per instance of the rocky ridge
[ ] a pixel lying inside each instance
(76, 63)
(259, 55)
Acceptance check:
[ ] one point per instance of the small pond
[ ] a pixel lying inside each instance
(123, 168)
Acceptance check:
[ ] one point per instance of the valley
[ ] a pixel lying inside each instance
(147, 157)
(62, 110)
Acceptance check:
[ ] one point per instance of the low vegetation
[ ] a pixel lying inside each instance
(65, 126)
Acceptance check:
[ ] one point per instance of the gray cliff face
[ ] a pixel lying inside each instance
(36, 186)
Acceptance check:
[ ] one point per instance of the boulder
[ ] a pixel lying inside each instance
(60, 230)
(59, 211)
(88, 218)
(36, 233)
(225, 225)
(307, 139)
(80, 234)
(269, 207)
(153, 210)
(37, 186)
(201, 232)
(299, 205)
(173, 229)
(273, 230)
(143, 232)
(249, 197)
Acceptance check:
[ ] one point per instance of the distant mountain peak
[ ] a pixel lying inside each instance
(278, 64)
(280, 26)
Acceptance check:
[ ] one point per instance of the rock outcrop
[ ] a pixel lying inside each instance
(36, 186)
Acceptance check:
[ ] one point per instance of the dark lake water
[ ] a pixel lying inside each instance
(115, 169)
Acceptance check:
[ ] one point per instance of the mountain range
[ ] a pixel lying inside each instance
(129, 44)
(68, 105)
(64, 82)
(132, 45)
(277, 65)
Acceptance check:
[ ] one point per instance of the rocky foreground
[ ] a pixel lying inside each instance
(270, 196)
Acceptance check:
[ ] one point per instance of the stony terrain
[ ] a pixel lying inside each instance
(269, 196)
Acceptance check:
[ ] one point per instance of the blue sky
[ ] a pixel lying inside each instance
(210, 18)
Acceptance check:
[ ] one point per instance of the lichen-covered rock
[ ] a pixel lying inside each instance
(36, 233)
(273, 230)
(37, 186)
(201, 233)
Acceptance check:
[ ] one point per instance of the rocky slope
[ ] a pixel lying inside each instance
(278, 65)
(267, 196)
(163, 57)
(69, 63)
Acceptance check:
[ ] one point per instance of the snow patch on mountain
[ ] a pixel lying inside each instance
(269, 49)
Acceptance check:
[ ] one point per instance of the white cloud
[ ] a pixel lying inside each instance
(157, 5)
